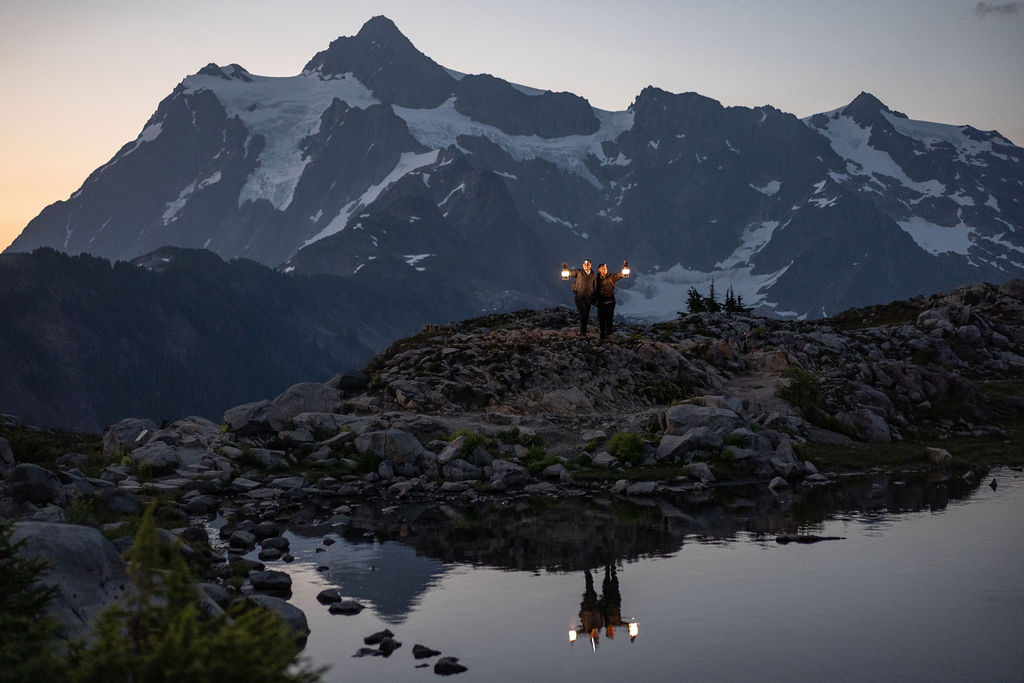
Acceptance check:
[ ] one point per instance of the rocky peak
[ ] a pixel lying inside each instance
(386, 62)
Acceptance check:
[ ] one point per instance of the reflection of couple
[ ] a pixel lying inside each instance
(604, 611)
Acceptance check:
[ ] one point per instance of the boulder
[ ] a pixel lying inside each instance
(870, 426)
(938, 456)
(126, 435)
(84, 566)
(287, 612)
(34, 484)
(248, 418)
(400, 448)
(683, 417)
(509, 474)
(304, 397)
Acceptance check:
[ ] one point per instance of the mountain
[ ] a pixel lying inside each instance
(177, 331)
(481, 187)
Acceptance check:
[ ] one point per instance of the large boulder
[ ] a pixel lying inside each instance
(28, 483)
(84, 566)
(248, 418)
(126, 435)
(304, 397)
(683, 417)
(401, 449)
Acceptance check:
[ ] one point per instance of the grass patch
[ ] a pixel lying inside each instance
(967, 452)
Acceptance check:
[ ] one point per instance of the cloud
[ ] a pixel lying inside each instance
(985, 8)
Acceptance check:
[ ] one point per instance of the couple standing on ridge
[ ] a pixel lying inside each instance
(590, 288)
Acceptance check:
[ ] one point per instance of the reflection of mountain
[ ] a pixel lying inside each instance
(576, 534)
(390, 575)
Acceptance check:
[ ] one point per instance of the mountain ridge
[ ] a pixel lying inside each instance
(689, 190)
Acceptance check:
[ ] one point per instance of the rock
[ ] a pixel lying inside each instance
(348, 607)
(460, 470)
(642, 488)
(401, 449)
(804, 538)
(388, 645)
(938, 456)
(700, 470)
(683, 417)
(778, 483)
(304, 397)
(509, 474)
(604, 459)
(248, 418)
(446, 666)
(34, 484)
(287, 612)
(119, 501)
(84, 566)
(270, 581)
(422, 651)
(871, 427)
(328, 596)
(126, 435)
(376, 638)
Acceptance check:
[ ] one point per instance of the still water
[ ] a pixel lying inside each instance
(924, 583)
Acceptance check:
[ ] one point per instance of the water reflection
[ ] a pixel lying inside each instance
(601, 612)
(568, 535)
(452, 568)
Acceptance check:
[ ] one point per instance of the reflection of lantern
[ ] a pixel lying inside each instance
(572, 635)
(625, 269)
(565, 272)
(634, 629)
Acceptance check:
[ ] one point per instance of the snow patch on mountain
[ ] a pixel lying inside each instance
(408, 162)
(441, 127)
(937, 239)
(171, 213)
(851, 142)
(284, 110)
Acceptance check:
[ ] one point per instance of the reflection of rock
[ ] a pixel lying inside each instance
(574, 534)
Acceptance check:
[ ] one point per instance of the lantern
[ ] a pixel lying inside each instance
(565, 271)
(572, 635)
(625, 269)
(634, 629)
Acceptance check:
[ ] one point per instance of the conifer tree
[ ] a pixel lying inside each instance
(26, 633)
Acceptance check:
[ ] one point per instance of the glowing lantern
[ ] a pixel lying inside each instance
(625, 269)
(565, 271)
(572, 635)
(634, 629)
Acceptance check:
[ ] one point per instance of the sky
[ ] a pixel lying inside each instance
(79, 78)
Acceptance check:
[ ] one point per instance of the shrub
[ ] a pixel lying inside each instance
(803, 391)
(26, 652)
(158, 635)
(627, 447)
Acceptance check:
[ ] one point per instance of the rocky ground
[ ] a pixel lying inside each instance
(520, 404)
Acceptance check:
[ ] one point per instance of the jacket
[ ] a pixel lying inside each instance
(605, 290)
(584, 286)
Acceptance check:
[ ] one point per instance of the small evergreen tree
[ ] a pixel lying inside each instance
(694, 301)
(157, 635)
(711, 304)
(26, 634)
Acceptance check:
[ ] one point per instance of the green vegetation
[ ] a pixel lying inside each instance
(627, 447)
(25, 632)
(157, 634)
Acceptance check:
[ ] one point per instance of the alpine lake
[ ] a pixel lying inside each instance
(877, 577)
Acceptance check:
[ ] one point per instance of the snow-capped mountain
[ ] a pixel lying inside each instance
(375, 153)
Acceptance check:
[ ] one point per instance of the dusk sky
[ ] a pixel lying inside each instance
(80, 78)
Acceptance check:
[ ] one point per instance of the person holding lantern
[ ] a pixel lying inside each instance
(605, 296)
(583, 288)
